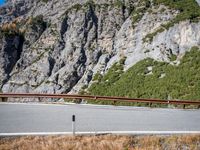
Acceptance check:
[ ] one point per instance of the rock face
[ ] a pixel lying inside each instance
(74, 39)
(12, 46)
(198, 1)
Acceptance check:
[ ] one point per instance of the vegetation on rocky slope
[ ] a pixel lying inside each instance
(19, 26)
(152, 79)
(139, 11)
(135, 11)
(188, 10)
(87, 33)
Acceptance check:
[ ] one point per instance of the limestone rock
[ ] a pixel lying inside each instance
(74, 39)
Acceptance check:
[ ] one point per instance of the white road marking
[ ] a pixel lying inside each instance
(101, 132)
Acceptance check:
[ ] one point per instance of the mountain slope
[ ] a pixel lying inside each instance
(152, 79)
(59, 46)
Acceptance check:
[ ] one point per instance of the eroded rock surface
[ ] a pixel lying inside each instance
(75, 39)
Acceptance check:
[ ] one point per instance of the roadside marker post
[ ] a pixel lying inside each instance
(73, 125)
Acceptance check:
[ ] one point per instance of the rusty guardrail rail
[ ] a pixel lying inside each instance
(91, 97)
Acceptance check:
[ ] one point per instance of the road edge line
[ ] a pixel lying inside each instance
(100, 132)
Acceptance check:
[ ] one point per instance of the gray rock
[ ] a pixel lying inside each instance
(198, 1)
(11, 49)
(76, 39)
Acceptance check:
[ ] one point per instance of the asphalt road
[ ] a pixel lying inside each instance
(22, 118)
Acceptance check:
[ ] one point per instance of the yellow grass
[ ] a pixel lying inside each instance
(103, 142)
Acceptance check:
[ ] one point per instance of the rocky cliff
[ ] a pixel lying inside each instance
(57, 46)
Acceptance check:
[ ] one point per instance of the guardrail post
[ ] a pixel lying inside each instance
(3, 99)
(168, 103)
(184, 106)
(73, 125)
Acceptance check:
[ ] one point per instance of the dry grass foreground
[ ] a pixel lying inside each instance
(103, 142)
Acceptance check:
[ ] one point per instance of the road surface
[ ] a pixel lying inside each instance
(26, 118)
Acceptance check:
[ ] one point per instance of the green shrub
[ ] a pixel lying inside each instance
(179, 82)
(189, 10)
(172, 57)
(139, 11)
(45, 1)
(118, 3)
(149, 37)
(97, 77)
(37, 20)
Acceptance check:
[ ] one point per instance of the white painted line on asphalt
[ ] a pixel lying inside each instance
(101, 132)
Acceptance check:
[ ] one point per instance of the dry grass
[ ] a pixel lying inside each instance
(103, 142)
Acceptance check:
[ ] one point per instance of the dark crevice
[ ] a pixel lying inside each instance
(64, 27)
(74, 78)
(37, 28)
(90, 16)
(124, 11)
(83, 58)
(95, 21)
(51, 65)
(79, 70)
(12, 51)
(91, 20)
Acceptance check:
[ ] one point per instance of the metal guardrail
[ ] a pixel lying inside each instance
(105, 98)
